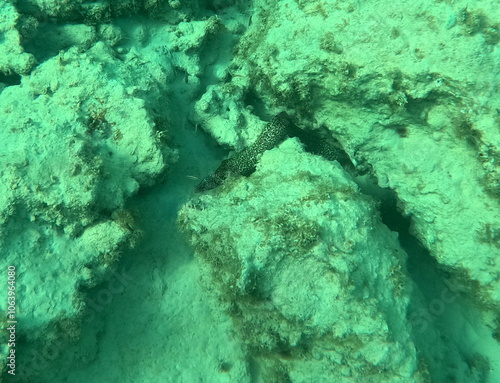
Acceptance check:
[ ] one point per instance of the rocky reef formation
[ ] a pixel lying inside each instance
(314, 281)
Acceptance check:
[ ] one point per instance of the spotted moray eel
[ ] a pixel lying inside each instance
(281, 126)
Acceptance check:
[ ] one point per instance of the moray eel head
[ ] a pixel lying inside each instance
(214, 180)
(208, 183)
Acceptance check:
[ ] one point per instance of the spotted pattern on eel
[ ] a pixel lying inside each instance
(275, 131)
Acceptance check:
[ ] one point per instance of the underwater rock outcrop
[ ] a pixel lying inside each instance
(13, 58)
(75, 145)
(426, 125)
(313, 280)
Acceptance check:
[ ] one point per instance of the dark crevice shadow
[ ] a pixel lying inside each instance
(436, 303)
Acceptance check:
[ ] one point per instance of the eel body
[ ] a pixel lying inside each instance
(275, 131)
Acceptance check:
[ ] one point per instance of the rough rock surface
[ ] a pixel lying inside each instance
(303, 262)
(13, 58)
(425, 124)
(76, 144)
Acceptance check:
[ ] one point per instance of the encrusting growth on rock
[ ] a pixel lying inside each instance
(244, 163)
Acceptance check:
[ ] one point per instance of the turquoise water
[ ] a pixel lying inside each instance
(354, 240)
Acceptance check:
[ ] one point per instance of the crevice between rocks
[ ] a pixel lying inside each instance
(444, 322)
